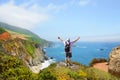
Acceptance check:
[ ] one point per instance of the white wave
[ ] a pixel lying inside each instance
(47, 63)
(44, 49)
(36, 69)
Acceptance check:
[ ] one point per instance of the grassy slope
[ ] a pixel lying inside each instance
(78, 72)
(31, 36)
(12, 68)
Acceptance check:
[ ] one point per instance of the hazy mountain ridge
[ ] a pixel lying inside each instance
(30, 35)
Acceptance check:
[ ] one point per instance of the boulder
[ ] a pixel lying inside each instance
(114, 62)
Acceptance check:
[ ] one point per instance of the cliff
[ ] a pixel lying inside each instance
(31, 53)
(114, 62)
(24, 34)
(5, 36)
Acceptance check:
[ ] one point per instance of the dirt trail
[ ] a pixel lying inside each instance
(101, 66)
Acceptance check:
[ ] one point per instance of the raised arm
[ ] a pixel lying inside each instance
(76, 39)
(60, 39)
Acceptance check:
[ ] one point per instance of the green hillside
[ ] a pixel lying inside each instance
(2, 30)
(31, 36)
(12, 68)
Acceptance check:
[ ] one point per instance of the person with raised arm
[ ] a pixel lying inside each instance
(68, 51)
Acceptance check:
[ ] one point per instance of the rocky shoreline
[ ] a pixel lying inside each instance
(36, 69)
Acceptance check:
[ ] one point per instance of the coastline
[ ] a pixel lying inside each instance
(45, 64)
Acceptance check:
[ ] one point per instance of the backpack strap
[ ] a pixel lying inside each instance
(67, 43)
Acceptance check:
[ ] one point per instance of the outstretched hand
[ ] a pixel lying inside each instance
(58, 37)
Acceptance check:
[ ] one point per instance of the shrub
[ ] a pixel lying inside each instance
(95, 74)
(82, 74)
(30, 48)
(73, 74)
(46, 74)
(2, 30)
(12, 68)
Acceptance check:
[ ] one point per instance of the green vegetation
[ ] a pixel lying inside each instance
(32, 36)
(38, 40)
(30, 48)
(2, 30)
(12, 68)
(79, 73)
(95, 74)
(47, 74)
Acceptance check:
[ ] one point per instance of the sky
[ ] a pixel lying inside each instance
(92, 20)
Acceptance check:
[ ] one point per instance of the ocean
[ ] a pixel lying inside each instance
(82, 52)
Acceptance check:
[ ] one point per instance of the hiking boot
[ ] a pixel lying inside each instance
(67, 64)
(70, 64)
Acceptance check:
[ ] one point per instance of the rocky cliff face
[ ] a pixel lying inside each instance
(114, 61)
(5, 36)
(29, 52)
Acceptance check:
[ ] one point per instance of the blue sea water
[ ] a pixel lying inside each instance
(82, 52)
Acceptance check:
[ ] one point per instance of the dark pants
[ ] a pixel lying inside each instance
(68, 54)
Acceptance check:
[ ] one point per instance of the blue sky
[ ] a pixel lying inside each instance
(92, 20)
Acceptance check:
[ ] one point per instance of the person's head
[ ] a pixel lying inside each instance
(68, 40)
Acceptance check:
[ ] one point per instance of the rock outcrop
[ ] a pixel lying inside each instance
(30, 53)
(114, 62)
(5, 36)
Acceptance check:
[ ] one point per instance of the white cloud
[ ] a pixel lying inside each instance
(84, 2)
(30, 12)
(20, 16)
(56, 8)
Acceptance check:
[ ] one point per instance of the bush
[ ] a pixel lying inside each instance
(95, 74)
(73, 75)
(30, 48)
(82, 74)
(2, 30)
(46, 74)
(12, 68)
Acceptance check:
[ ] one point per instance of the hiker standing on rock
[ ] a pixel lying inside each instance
(68, 44)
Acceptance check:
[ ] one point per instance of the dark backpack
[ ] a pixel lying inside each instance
(67, 47)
